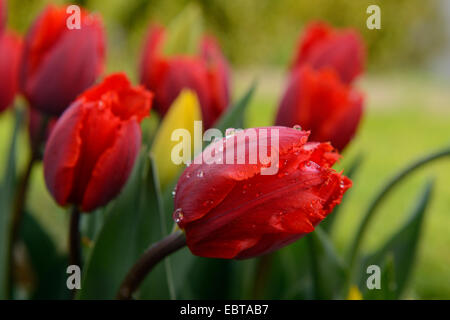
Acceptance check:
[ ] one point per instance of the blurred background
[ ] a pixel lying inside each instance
(407, 88)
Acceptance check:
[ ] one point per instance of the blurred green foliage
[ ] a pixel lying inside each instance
(266, 31)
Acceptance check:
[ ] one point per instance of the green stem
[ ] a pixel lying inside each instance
(18, 212)
(356, 244)
(157, 252)
(74, 237)
(262, 273)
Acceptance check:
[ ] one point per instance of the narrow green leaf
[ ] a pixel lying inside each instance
(126, 233)
(328, 269)
(7, 189)
(234, 117)
(402, 246)
(378, 199)
(162, 275)
(49, 273)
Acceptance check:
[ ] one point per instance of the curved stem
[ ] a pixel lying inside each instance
(148, 260)
(18, 212)
(74, 237)
(356, 244)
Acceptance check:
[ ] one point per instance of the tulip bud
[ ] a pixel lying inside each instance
(59, 63)
(232, 210)
(10, 48)
(206, 74)
(324, 47)
(93, 146)
(319, 102)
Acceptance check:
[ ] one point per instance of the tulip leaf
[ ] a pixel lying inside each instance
(49, 273)
(128, 229)
(234, 115)
(162, 275)
(353, 169)
(181, 117)
(7, 188)
(328, 269)
(402, 246)
(353, 253)
(184, 32)
(289, 276)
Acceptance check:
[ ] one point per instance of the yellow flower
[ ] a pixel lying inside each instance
(354, 293)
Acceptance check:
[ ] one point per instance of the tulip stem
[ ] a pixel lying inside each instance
(74, 237)
(18, 211)
(264, 265)
(154, 254)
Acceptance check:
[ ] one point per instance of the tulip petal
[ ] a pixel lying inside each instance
(113, 167)
(66, 71)
(62, 153)
(10, 48)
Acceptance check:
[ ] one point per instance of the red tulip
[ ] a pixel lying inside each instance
(207, 74)
(10, 49)
(319, 102)
(324, 47)
(233, 211)
(93, 146)
(59, 63)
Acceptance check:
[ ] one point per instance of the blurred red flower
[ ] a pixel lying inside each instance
(207, 74)
(10, 50)
(59, 63)
(324, 47)
(93, 146)
(319, 102)
(232, 211)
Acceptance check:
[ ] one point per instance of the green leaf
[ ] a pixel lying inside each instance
(328, 269)
(182, 115)
(234, 117)
(7, 189)
(184, 32)
(328, 223)
(402, 246)
(159, 283)
(380, 196)
(48, 265)
(127, 231)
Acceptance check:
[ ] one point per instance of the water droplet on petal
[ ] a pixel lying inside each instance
(178, 215)
(297, 127)
(200, 174)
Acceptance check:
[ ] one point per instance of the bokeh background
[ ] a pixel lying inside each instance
(407, 88)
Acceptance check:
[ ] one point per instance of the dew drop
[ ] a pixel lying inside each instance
(297, 127)
(178, 215)
(200, 174)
